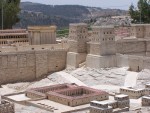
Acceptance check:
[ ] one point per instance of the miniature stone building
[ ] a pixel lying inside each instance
(6, 107)
(71, 95)
(120, 104)
(78, 36)
(146, 101)
(123, 100)
(41, 92)
(106, 107)
(8, 37)
(132, 93)
(100, 107)
(39, 35)
(102, 48)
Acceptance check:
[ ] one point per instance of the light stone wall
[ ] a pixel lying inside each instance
(135, 63)
(74, 59)
(30, 65)
(78, 37)
(33, 47)
(122, 60)
(78, 47)
(130, 46)
(97, 61)
(147, 31)
(105, 36)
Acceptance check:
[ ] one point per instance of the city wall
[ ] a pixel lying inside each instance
(136, 63)
(132, 46)
(31, 64)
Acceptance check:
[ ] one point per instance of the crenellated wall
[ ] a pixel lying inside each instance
(30, 65)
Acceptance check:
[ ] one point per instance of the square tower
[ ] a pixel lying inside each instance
(102, 48)
(104, 38)
(78, 36)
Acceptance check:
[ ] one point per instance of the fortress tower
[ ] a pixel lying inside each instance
(102, 48)
(103, 41)
(78, 36)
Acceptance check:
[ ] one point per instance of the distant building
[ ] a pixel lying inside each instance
(39, 35)
(120, 104)
(13, 36)
(68, 94)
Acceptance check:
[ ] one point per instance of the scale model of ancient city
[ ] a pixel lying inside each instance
(95, 70)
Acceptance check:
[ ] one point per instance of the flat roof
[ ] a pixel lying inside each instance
(19, 97)
(121, 95)
(131, 89)
(146, 97)
(42, 28)
(104, 102)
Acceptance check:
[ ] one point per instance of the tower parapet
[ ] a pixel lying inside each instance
(102, 48)
(104, 38)
(78, 34)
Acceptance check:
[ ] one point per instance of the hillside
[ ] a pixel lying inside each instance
(60, 15)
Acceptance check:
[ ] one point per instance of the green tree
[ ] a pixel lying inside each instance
(10, 13)
(142, 13)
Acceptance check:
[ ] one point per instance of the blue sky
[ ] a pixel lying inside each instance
(119, 4)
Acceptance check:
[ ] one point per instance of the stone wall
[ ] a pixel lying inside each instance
(130, 46)
(30, 65)
(136, 63)
(74, 59)
(97, 61)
